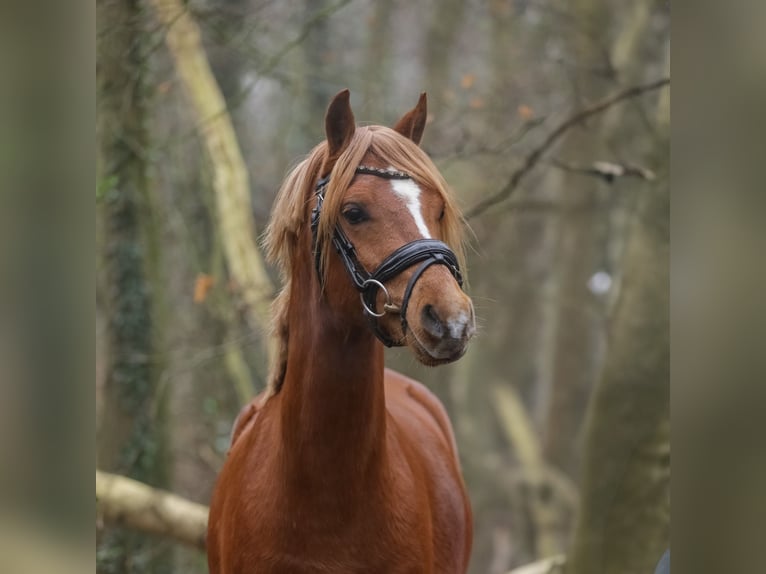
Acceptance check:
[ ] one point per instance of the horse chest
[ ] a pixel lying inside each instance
(318, 528)
(403, 518)
(299, 542)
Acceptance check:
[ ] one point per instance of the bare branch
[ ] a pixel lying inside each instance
(124, 501)
(501, 148)
(276, 59)
(606, 170)
(578, 117)
(531, 205)
(553, 565)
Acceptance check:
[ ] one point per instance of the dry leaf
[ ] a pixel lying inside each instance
(476, 103)
(467, 81)
(202, 287)
(164, 87)
(525, 112)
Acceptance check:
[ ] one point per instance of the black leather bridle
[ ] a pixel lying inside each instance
(427, 252)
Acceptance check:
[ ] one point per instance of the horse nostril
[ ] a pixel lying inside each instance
(431, 321)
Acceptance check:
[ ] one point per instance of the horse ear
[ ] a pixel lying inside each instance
(413, 122)
(339, 124)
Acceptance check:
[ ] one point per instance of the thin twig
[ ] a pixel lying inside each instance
(499, 149)
(534, 157)
(606, 170)
(276, 59)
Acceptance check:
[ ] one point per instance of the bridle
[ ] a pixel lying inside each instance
(427, 252)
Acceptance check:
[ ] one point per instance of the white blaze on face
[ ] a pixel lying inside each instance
(409, 191)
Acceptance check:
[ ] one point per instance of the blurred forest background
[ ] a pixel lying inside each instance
(550, 119)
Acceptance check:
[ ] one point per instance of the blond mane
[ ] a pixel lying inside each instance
(295, 199)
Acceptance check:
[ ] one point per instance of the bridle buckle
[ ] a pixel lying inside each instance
(388, 306)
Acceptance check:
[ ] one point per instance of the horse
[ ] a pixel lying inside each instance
(342, 465)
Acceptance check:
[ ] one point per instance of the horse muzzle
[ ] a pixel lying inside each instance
(440, 330)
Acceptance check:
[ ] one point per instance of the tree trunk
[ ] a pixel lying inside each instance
(623, 527)
(440, 40)
(579, 323)
(230, 176)
(210, 348)
(376, 67)
(130, 440)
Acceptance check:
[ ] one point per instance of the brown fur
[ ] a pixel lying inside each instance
(342, 465)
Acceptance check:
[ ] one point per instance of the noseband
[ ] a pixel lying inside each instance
(427, 252)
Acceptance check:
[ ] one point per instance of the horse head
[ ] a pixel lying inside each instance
(383, 218)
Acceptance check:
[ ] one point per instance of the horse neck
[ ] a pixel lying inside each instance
(332, 409)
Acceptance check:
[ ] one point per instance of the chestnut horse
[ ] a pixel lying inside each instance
(343, 465)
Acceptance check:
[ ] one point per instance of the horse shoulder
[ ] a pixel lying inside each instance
(425, 421)
(231, 527)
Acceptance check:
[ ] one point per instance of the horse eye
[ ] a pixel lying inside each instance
(355, 215)
(441, 215)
